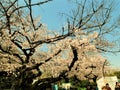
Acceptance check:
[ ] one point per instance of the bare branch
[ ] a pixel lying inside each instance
(12, 4)
(81, 18)
(30, 9)
(105, 50)
(21, 7)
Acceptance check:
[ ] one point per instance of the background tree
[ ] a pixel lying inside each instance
(23, 36)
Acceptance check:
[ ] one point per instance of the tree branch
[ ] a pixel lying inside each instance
(21, 7)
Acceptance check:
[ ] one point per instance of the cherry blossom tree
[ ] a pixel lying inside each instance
(23, 36)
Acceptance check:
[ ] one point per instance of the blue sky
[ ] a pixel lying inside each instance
(51, 16)
(51, 13)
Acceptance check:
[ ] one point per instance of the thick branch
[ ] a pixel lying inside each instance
(50, 40)
(75, 54)
(14, 54)
(41, 63)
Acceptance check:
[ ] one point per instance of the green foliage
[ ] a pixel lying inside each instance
(5, 82)
(78, 83)
(117, 73)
